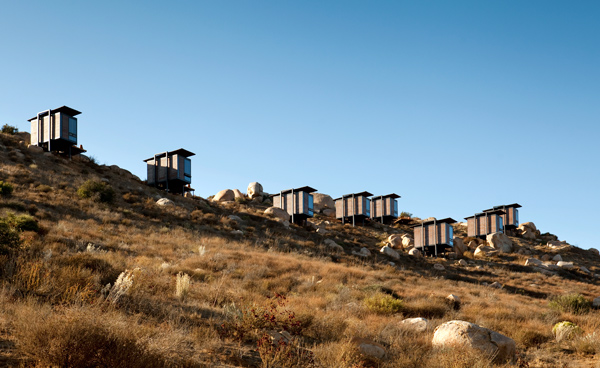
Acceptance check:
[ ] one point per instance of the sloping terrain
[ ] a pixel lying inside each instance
(100, 275)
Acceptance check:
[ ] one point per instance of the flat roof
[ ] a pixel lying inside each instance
(448, 220)
(488, 212)
(393, 195)
(306, 189)
(364, 194)
(66, 109)
(515, 205)
(181, 152)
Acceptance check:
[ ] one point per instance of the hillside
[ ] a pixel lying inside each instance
(116, 280)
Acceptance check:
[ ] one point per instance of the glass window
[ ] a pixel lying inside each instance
(310, 204)
(367, 207)
(187, 170)
(516, 217)
(450, 235)
(500, 223)
(395, 208)
(73, 130)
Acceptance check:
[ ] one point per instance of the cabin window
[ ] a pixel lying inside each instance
(367, 207)
(516, 217)
(500, 223)
(310, 204)
(395, 208)
(73, 130)
(187, 170)
(450, 235)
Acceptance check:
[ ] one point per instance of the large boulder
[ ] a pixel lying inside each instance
(500, 241)
(484, 251)
(528, 226)
(528, 230)
(238, 194)
(459, 246)
(462, 334)
(255, 190)
(415, 252)
(395, 241)
(163, 202)
(333, 245)
(322, 201)
(390, 252)
(565, 265)
(407, 241)
(278, 213)
(224, 196)
(417, 324)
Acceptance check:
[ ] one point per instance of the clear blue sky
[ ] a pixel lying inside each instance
(454, 105)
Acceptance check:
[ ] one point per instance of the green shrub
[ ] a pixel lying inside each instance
(9, 238)
(6, 189)
(99, 191)
(572, 303)
(381, 303)
(406, 214)
(22, 222)
(9, 129)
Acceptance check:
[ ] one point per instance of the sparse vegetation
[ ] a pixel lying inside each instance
(6, 189)
(9, 129)
(572, 303)
(383, 304)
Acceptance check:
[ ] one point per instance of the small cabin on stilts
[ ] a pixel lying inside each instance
(297, 202)
(171, 171)
(353, 207)
(434, 236)
(55, 130)
(384, 208)
(484, 223)
(510, 218)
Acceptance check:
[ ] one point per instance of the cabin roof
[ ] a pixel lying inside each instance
(181, 152)
(488, 212)
(448, 220)
(66, 109)
(306, 189)
(515, 205)
(392, 195)
(364, 194)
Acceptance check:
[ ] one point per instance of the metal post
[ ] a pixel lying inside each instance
(435, 234)
(343, 209)
(293, 205)
(353, 210)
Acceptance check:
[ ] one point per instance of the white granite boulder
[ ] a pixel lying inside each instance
(500, 241)
(255, 189)
(390, 252)
(278, 213)
(225, 195)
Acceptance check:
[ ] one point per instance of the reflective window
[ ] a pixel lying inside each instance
(500, 223)
(516, 219)
(73, 130)
(187, 170)
(367, 207)
(395, 208)
(450, 235)
(310, 204)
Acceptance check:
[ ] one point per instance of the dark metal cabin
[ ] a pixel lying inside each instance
(56, 130)
(385, 208)
(352, 207)
(510, 216)
(434, 236)
(297, 202)
(171, 171)
(484, 223)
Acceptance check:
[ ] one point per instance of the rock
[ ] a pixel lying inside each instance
(484, 251)
(500, 242)
(278, 213)
(528, 226)
(329, 212)
(546, 257)
(322, 201)
(237, 194)
(496, 285)
(594, 251)
(407, 241)
(332, 244)
(364, 252)
(395, 241)
(596, 302)
(255, 189)
(281, 337)
(35, 149)
(369, 348)
(453, 299)
(390, 252)
(235, 218)
(565, 330)
(439, 267)
(415, 253)
(533, 262)
(165, 202)
(558, 245)
(417, 324)
(462, 334)
(321, 230)
(565, 265)
(224, 195)
(237, 232)
(82, 158)
(584, 270)
(557, 258)
(473, 244)
(550, 266)
(462, 263)
(527, 234)
(459, 246)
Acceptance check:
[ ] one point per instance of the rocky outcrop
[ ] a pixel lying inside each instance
(500, 242)
(407, 241)
(565, 265)
(459, 246)
(224, 196)
(322, 201)
(238, 194)
(461, 334)
(485, 251)
(329, 212)
(390, 252)
(277, 213)
(528, 230)
(163, 202)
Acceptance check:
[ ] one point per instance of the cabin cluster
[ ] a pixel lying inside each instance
(55, 130)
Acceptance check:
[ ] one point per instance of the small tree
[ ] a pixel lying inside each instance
(6, 189)
(99, 191)
(9, 129)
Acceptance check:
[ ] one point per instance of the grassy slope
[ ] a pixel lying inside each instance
(55, 310)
